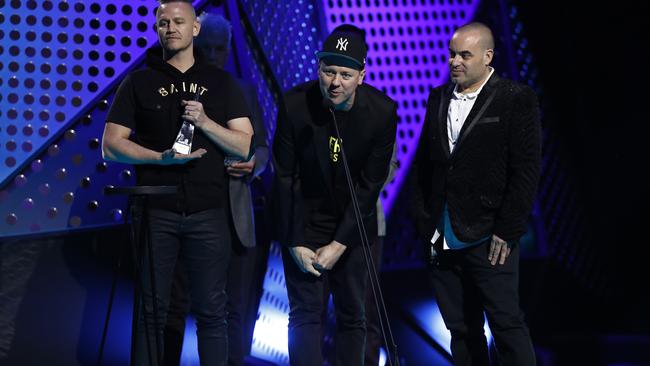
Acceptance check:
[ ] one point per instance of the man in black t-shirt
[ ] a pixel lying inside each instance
(247, 261)
(154, 102)
(311, 200)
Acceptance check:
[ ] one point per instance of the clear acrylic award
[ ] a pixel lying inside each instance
(183, 142)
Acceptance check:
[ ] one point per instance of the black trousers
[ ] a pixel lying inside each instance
(467, 285)
(245, 280)
(374, 338)
(202, 240)
(347, 280)
(246, 272)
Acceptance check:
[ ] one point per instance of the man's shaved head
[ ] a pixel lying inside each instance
(470, 53)
(188, 2)
(486, 39)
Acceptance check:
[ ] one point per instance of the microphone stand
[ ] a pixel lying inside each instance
(378, 296)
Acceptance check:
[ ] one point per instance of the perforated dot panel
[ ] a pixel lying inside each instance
(270, 340)
(264, 96)
(289, 34)
(58, 58)
(270, 336)
(62, 187)
(289, 37)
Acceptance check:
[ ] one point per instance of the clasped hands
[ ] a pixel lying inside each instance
(314, 262)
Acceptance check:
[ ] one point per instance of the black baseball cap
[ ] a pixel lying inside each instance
(345, 48)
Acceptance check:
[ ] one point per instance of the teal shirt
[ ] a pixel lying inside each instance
(452, 241)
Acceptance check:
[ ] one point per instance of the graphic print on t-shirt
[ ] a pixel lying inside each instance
(182, 87)
(335, 149)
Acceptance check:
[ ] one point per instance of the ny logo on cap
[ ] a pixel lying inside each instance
(342, 44)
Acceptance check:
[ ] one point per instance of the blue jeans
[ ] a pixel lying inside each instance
(203, 240)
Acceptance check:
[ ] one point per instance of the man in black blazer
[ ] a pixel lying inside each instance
(477, 166)
(315, 218)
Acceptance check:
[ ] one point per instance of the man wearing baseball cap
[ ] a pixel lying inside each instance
(315, 219)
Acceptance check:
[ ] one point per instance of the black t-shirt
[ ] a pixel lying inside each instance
(339, 181)
(149, 103)
(324, 221)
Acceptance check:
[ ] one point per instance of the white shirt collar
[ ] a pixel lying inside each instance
(473, 94)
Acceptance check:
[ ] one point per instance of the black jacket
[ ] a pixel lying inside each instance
(303, 186)
(490, 179)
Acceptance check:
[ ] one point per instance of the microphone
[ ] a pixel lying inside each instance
(378, 296)
(327, 103)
